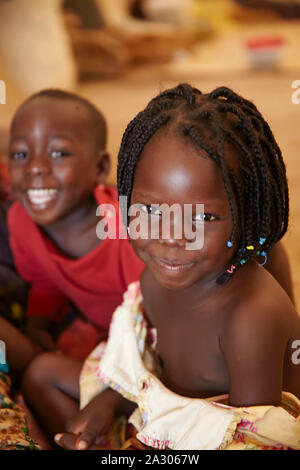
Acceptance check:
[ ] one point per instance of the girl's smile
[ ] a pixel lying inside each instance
(171, 171)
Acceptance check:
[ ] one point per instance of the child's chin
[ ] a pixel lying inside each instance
(42, 217)
(173, 283)
(42, 213)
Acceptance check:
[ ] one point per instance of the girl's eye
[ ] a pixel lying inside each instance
(150, 210)
(204, 217)
(59, 153)
(18, 155)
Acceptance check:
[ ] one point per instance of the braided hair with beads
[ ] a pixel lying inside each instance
(259, 188)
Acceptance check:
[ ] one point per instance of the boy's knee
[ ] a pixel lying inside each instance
(40, 372)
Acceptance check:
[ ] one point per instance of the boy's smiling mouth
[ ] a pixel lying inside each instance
(39, 198)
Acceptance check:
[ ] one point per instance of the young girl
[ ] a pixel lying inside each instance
(209, 338)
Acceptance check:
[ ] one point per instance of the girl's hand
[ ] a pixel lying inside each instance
(96, 418)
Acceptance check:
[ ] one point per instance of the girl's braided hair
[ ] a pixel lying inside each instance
(211, 121)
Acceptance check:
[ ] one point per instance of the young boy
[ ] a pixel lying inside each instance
(58, 165)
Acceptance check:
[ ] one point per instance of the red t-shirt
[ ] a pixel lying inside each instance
(95, 283)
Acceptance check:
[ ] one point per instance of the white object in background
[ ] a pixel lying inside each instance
(175, 12)
(35, 52)
(265, 52)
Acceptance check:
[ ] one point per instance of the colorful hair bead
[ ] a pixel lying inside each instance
(250, 247)
(262, 240)
(230, 271)
(263, 253)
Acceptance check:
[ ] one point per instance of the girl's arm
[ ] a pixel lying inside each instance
(253, 345)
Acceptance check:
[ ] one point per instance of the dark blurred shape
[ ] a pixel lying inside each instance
(285, 8)
(98, 52)
(13, 290)
(87, 11)
(137, 10)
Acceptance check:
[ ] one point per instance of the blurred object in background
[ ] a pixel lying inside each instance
(263, 8)
(97, 51)
(87, 11)
(246, 39)
(107, 39)
(35, 51)
(175, 12)
(265, 52)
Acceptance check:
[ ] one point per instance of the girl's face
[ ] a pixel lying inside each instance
(172, 171)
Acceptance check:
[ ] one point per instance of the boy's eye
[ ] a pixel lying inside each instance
(59, 153)
(150, 210)
(204, 217)
(18, 155)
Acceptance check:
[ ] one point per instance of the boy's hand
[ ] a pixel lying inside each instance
(70, 442)
(96, 418)
(41, 337)
(36, 330)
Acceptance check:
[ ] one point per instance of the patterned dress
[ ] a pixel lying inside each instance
(14, 433)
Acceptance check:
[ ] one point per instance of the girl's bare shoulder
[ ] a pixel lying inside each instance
(256, 337)
(261, 301)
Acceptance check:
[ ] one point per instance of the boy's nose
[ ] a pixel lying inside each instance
(38, 166)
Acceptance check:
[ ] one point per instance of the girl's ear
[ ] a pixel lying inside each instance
(103, 166)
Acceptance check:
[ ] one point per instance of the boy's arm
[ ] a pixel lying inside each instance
(19, 349)
(253, 345)
(279, 266)
(36, 330)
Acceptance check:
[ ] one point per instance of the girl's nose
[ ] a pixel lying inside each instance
(172, 242)
(172, 235)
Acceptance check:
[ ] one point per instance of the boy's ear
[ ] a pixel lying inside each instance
(103, 166)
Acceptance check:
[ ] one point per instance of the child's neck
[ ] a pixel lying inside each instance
(207, 288)
(75, 234)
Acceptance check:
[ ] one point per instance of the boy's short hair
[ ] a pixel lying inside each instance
(98, 122)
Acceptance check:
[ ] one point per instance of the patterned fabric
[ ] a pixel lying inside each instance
(14, 433)
(128, 363)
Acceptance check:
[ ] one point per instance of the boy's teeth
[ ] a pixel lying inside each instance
(41, 196)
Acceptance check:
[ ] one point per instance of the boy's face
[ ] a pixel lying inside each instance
(53, 160)
(173, 172)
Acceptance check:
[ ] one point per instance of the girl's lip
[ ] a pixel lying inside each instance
(173, 266)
